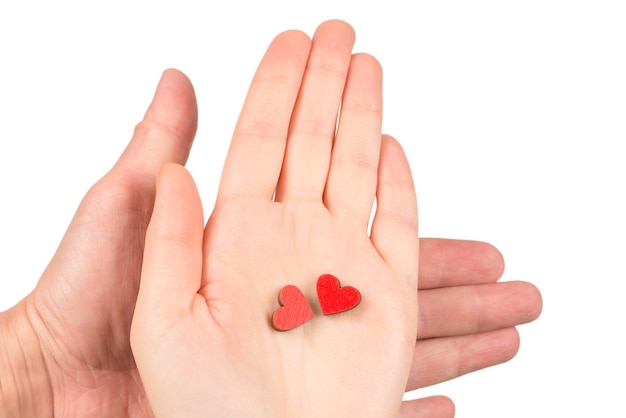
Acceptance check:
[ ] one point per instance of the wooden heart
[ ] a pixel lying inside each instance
(294, 311)
(334, 298)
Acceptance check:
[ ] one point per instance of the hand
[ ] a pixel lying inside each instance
(64, 349)
(51, 364)
(288, 210)
(473, 269)
(466, 320)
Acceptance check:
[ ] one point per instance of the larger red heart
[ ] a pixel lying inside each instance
(334, 298)
(294, 311)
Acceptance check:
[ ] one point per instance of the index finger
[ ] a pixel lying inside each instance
(255, 157)
(452, 262)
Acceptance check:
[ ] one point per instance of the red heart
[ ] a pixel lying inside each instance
(334, 298)
(294, 311)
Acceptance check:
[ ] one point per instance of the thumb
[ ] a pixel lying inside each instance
(168, 128)
(126, 192)
(172, 262)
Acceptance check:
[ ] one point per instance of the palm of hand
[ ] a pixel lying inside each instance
(198, 349)
(294, 203)
(305, 371)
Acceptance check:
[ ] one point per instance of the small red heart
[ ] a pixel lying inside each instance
(294, 311)
(334, 298)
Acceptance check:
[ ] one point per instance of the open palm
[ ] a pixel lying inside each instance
(64, 349)
(294, 203)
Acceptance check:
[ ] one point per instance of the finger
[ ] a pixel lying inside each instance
(167, 130)
(440, 359)
(431, 407)
(256, 152)
(172, 264)
(451, 262)
(462, 310)
(351, 185)
(394, 228)
(164, 135)
(314, 118)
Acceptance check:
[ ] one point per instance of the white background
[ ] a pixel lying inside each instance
(512, 114)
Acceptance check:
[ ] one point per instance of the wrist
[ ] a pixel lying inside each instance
(24, 381)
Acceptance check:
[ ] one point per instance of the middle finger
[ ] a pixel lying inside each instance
(314, 119)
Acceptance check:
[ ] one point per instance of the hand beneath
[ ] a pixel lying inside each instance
(64, 349)
(466, 319)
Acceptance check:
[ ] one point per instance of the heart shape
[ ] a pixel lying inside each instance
(294, 311)
(334, 298)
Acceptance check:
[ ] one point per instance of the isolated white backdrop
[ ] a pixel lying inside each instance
(513, 115)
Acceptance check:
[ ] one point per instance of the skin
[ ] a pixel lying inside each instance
(65, 350)
(294, 202)
(206, 295)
